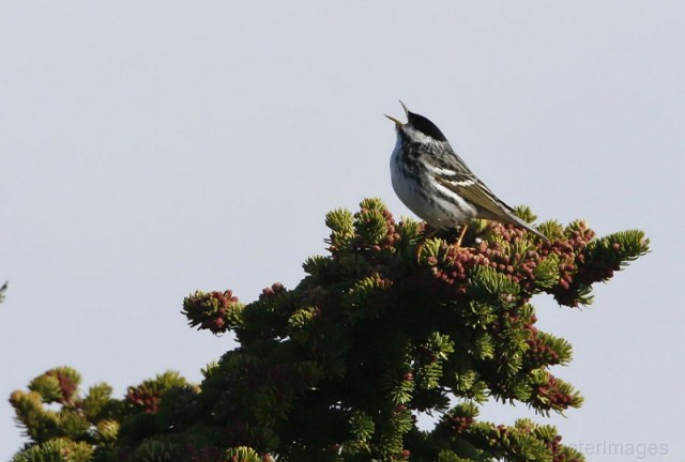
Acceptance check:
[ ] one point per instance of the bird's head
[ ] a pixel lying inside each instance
(418, 128)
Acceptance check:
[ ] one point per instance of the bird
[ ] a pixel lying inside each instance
(435, 183)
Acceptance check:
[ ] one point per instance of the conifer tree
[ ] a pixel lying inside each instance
(336, 368)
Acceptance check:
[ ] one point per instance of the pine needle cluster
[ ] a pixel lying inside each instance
(338, 368)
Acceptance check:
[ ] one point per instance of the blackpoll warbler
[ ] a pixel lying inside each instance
(436, 184)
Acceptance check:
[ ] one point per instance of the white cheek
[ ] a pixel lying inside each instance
(419, 137)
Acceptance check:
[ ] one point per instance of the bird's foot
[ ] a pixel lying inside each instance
(461, 235)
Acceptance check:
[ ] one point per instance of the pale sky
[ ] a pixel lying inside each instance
(149, 150)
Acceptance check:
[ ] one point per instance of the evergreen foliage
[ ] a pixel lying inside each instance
(336, 368)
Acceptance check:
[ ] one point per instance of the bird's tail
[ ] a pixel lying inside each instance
(514, 220)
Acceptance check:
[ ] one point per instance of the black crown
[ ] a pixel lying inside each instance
(425, 126)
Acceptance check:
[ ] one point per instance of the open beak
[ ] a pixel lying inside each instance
(406, 112)
(397, 122)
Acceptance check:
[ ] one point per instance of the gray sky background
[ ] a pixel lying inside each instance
(151, 149)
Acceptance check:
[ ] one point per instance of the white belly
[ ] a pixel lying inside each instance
(438, 213)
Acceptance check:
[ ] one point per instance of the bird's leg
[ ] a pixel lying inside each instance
(462, 234)
(427, 234)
